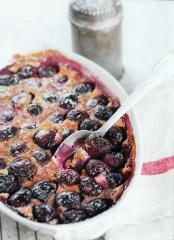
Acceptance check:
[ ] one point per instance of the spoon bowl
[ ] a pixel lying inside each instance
(66, 146)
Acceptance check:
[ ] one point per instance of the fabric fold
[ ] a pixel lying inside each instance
(147, 211)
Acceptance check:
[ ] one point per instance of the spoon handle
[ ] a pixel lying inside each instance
(161, 72)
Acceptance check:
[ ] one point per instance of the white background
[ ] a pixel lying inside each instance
(32, 24)
(148, 32)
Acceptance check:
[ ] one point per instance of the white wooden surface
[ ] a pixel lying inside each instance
(148, 34)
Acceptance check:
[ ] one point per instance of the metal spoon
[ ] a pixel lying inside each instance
(161, 72)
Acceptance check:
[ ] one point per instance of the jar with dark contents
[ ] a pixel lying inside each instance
(97, 32)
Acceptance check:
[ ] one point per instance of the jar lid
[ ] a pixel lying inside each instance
(94, 9)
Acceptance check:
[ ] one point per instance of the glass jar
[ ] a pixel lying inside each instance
(97, 32)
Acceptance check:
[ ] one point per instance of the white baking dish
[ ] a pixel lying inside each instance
(98, 225)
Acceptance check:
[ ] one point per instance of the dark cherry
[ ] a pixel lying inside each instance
(90, 124)
(103, 113)
(7, 132)
(84, 88)
(68, 177)
(7, 80)
(18, 148)
(115, 179)
(66, 132)
(22, 168)
(50, 97)
(2, 163)
(96, 206)
(68, 101)
(62, 79)
(26, 72)
(41, 156)
(55, 146)
(99, 100)
(71, 216)
(21, 99)
(7, 116)
(8, 183)
(34, 109)
(89, 187)
(115, 160)
(68, 199)
(43, 190)
(116, 136)
(20, 198)
(97, 146)
(95, 167)
(47, 71)
(57, 117)
(45, 138)
(44, 212)
(77, 115)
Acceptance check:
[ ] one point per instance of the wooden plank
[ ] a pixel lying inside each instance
(25, 233)
(9, 228)
(0, 228)
(17, 227)
(43, 237)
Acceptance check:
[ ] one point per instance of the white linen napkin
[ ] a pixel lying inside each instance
(147, 212)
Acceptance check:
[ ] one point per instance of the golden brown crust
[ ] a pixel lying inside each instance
(22, 117)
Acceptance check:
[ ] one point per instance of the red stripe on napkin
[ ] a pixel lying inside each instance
(158, 167)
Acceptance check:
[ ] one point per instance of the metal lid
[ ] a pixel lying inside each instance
(93, 10)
